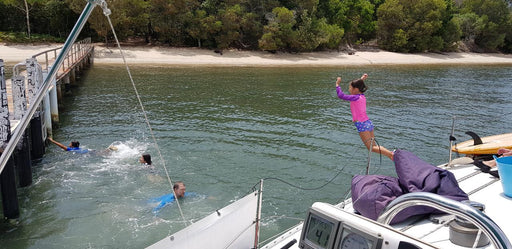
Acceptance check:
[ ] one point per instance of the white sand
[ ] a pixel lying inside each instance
(202, 57)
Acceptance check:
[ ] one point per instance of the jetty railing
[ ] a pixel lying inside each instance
(10, 142)
(77, 51)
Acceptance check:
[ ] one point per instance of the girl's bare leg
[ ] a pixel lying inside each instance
(367, 136)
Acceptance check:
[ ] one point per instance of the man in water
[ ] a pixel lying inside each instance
(180, 189)
(180, 192)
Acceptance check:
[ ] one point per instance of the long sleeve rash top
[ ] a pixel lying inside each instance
(357, 105)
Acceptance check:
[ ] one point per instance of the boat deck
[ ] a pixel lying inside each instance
(481, 187)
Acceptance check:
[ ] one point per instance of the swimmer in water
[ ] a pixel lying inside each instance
(73, 146)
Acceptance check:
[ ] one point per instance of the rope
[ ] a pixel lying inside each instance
(107, 12)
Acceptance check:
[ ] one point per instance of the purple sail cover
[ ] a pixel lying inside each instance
(415, 175)
(371, 193)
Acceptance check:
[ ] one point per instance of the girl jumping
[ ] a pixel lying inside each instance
(364, 125)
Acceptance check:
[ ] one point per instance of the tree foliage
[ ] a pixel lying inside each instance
(412, 26)
(487, 22)
(277, 25)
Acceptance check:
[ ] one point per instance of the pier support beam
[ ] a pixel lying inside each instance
(36, 134)
(59, 90)
(7, 177)
(23, 161)
(72, 75)
(22, 158)
(36, 123)
(9, 194)
(67, 84)
(54, 104)
(47, 110)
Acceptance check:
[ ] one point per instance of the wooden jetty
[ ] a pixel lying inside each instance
(17, 95)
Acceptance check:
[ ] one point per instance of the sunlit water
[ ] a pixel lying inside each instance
(220, 130)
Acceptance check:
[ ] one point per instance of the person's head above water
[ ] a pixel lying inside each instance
(145, 158)
(179, 189)
(74, 144)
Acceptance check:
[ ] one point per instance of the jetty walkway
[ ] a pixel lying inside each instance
(17, 94)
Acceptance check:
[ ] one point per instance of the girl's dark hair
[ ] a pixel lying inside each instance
(359, 84)
(147, 158)
(75, 144)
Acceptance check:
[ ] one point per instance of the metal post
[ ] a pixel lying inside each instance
(54, 102)
(258, 216)
(47, 111)
(451, 142)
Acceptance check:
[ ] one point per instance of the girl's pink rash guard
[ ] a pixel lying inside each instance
(357, 105)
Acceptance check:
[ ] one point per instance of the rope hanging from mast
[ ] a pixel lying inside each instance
(107, 12)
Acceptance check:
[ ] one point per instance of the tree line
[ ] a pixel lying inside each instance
(275, 25)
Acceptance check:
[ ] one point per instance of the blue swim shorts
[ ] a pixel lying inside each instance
(364, 126)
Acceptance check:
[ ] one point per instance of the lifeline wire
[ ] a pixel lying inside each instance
(325, 184)
(106, 12)
(316, 188)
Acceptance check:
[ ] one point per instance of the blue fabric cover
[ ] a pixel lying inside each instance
(371, 193)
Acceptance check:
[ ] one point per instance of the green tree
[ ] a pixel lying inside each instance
(507, 47)
(357, 18)
(54, 18)
(132, 18)
(97, 20)
(25, 6)
(197, 27)
(491, 20)
(412, 26)
(313, 33)
(278, 33)
(170, 18)
(230, 30)
(251, 30)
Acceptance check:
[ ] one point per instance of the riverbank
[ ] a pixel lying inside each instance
(136, 55)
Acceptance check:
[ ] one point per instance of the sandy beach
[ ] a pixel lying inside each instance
(152, 55)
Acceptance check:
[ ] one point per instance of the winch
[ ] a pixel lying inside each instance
(464, 233)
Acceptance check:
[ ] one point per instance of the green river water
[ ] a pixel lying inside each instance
(221, 129)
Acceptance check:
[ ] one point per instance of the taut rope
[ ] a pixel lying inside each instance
(107, 12)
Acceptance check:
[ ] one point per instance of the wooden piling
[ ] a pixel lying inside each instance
(7, 177)
(9, 193)
(23, 161)
(22, 158)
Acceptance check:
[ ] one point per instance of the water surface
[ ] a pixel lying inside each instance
(220, 130)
